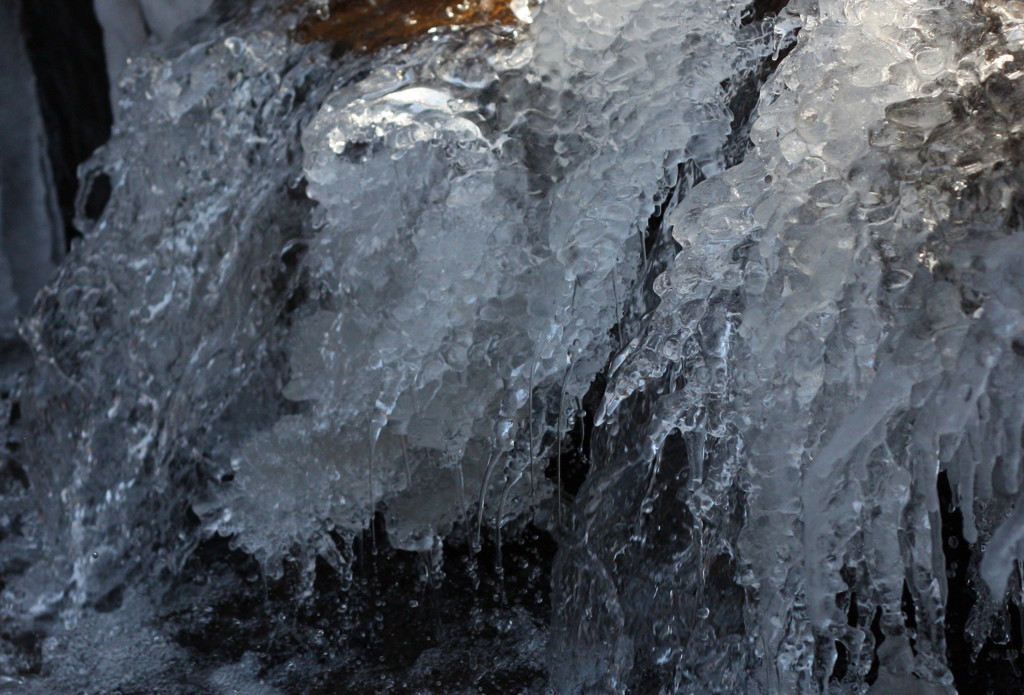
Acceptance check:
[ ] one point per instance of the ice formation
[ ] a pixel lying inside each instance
(457, 323)
(332, 282)
(841, 324)
(431, 357)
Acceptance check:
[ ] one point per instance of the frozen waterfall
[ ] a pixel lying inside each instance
(540, 347)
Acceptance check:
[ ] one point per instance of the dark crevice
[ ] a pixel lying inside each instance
(22, 650)
(879, 637)
(745, 93)
(909, 611)
(570, 468)
(398, 618)
(848, 601)
(998, 667)
(761, 9)
(12, 474)
(97, 190)
(65, 46)
(842, 665)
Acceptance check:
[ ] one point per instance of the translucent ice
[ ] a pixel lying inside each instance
(837, 329)
(457, 322)
(332, 282)
(170, 307)
(419, 338)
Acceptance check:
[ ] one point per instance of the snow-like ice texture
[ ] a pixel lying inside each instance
(482, 204)
(31, 234)
(844, 321)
